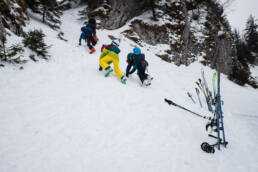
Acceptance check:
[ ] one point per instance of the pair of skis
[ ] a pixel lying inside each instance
(211, 100)
(217, 120)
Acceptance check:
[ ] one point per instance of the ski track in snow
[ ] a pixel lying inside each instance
(64, 115)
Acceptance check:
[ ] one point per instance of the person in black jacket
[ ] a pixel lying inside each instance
(138, 62)
(89, 34)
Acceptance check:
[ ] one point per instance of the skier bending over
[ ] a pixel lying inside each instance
(110, 55)
(138, 62)
(89, 34)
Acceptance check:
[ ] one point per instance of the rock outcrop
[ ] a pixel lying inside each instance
(193, 30)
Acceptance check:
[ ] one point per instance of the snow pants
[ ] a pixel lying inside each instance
(141, 73)
(106, 60)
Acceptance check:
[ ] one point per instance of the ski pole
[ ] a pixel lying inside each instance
(206, 95)
(170, 102)
(189, 95)
(203, 91)
(198, 95)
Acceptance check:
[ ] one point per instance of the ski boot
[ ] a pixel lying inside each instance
(149, 77)
(92, 50)
(123, 80)
(146, 83)
(108, 70)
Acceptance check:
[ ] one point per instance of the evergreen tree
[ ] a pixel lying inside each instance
(49, 9)
(152, 5)
(240, 74)
(240, 70)
(34, 40)
(7, 54)
(251, 38)
(242, 49)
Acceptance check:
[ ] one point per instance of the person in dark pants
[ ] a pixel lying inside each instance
(138, 62)
(89, 34)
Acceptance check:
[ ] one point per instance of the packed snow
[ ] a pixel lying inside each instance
(64, 115)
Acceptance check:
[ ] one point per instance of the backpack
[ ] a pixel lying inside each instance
(103, 46)
(87, 30)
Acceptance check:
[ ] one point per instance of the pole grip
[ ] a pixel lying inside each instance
(168, 101)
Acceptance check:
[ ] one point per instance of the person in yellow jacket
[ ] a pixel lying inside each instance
(110, 55)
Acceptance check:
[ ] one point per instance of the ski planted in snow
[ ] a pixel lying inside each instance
(214, 86)
(217, 120)
(220, 111)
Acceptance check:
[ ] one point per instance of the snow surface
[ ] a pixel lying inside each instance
(63, 115)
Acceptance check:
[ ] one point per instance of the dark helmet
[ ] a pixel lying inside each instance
(92, 21)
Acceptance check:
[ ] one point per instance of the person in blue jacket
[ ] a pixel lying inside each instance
(138, 62)
(89, 34)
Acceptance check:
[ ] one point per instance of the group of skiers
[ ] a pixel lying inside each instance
(109, 54)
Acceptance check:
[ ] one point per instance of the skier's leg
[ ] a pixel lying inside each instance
(104, 62)
(141, 75)
(118, 72)
(93, 41)
(82, 36)
(89, 42)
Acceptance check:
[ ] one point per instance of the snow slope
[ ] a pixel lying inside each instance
(63, 115)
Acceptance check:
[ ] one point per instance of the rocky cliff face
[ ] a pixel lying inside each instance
(192, 29)
(115, 13)
(191, 34)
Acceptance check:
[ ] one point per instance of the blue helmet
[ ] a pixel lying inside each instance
(137, 50)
